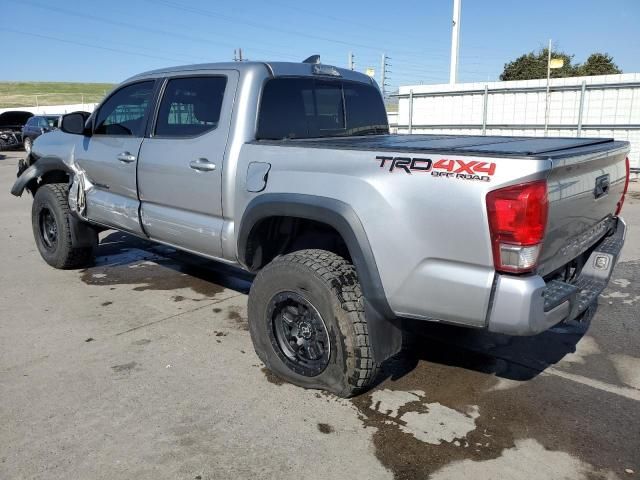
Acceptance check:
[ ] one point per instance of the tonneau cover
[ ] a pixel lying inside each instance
(464, 144)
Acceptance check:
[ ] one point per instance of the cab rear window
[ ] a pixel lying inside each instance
(297, 107)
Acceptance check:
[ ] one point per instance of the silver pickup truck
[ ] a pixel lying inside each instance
(288, 170)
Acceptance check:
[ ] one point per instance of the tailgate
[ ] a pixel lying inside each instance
(584, 190)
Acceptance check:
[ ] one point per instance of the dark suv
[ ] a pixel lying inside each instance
(36, 126)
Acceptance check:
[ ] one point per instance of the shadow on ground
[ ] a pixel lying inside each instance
(512, 358)
(123, 259)
(126, 259)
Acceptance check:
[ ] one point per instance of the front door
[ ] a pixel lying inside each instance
(110, 155)
(180, 169)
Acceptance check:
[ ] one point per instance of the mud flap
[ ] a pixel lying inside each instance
(82, 233)
(385, 334)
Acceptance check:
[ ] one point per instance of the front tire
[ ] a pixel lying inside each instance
(307, 323)
(50, 222)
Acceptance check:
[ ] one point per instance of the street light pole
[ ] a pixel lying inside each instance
(455, 44)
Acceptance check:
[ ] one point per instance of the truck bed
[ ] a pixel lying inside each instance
(531, 147)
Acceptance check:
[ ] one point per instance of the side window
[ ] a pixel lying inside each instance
(31, 122)
(42, 123)
(124, 112)
(190, 106)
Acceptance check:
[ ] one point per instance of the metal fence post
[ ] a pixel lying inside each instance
(37, 101)
(410, 112)
(581, 109)
(484, 108)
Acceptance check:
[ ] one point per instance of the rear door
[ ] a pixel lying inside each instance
(180, 169)
(109, 157)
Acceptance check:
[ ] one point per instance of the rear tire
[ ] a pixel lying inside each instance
(307, 323)
(50, 222)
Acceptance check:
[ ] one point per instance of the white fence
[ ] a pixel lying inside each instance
(599, 106)
(54, 109)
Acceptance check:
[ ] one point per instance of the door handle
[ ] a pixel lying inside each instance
(126, 157)
(202, 165)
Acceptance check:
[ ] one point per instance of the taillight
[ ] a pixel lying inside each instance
(626, 185)
(517, 222)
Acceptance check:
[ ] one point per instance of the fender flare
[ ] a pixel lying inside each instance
(384, 329)
(39, 168)
(82, 233)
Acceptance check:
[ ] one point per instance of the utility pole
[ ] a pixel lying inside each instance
(546, 103)
(455, 42)
(351, 61)
(383, 73)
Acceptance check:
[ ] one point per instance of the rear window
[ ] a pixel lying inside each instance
(311, 108)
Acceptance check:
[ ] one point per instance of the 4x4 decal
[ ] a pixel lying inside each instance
(463, 169)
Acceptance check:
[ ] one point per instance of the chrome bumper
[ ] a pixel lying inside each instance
(527, 305)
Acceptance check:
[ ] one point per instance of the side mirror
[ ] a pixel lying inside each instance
(74, 123)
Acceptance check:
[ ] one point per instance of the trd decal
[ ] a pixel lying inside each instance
(461, 169)
(405, 163)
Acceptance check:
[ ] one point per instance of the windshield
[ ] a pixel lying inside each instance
(302, 107)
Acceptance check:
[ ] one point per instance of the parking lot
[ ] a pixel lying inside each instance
(142, 367)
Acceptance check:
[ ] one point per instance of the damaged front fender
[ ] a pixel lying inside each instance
(31, 174)
(80, 184)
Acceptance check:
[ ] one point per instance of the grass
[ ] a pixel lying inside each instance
(31, 94)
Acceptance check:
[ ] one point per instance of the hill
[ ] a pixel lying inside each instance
(25, 94)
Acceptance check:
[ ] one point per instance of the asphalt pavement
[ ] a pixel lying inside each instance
(141, 367)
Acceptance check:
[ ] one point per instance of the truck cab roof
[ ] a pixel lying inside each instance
(272, 69)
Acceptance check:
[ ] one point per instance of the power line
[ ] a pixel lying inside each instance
(254, 24)
(137, 27)
(89, 45)
(374, 27)
(405, 65)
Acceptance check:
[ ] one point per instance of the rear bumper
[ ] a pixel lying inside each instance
(528, 305)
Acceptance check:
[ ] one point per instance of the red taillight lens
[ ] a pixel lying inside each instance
(517, 222)
(626, 185)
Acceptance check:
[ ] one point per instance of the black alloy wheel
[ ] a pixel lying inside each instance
(299, 333)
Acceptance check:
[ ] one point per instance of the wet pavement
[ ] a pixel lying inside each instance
(141, 366)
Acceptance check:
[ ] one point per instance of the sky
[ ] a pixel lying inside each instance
(86, 41)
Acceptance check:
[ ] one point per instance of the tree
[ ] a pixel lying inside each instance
(599, 64)
(533, 65)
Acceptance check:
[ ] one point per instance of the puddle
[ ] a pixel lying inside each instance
(526, 460)
(126, 260)
(446, 410)
(428, 422)
(159, 274)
